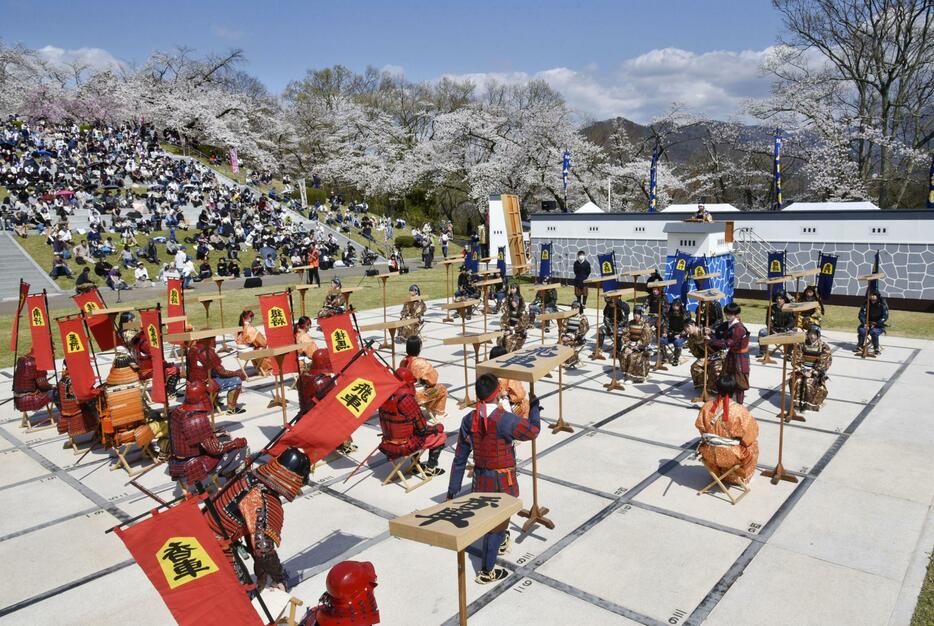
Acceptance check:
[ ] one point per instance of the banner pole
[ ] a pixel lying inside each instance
(19, 309)
(45, 297)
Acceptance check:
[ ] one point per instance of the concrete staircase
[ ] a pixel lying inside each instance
(16, 264)
(751, 251)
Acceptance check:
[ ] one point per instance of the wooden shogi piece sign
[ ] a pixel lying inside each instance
(302, 289)
(661, 284)
(778, 280)
(785, 340)
(447, 263)
(456, 525)
(349, 291)
(864, 353)
(461, 306)
(392, 326)
(278, 354)
(485, 285)
(705, 297)
(206, 303)
(596, 282)
(470, 340)
(527, 366)
(614, 384)
(382, 280)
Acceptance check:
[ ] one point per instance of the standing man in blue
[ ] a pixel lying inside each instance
(490, 430)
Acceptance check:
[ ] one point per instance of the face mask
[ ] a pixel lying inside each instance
(580, 257)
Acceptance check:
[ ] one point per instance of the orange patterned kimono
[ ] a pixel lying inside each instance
(518, 399)
(308, 344)
(250, 336)
(736, 424)
(433, 397)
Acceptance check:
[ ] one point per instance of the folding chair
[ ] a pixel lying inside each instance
(123, 452)
(725, 488)
(43, 424)
(414, 467)
(290, 608)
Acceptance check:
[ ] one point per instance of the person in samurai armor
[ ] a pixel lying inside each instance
(545, 301)
(619, 308)
(349, 599)
(813, 358)
(250, 508)
(139, 345)
(433, 396)
(733, 336)
(810, 294)
(31, 387)
(413, 309)
(634, 352)
(515, 320)
(466, 290)
(334, 301)
(303, 336)
(405, 430)
(512, 394)
(203, 364)
(782, 321)
(490, 431)
(314, 382)
(655, 297)
(878, 316)
(695, 343)
(77, 418)
(674, 335)
(198, 453)
(575, 332)
(729, 434)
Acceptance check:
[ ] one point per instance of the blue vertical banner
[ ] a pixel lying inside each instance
(931, 185)
(699, 268)
(828, 269)
(501, 260)
(544, 261)
(778, 170)
(874, 284)
(473, 258)
(653, 181)
(679, 270)
(776, 264)
(566, 169)
(608, 268)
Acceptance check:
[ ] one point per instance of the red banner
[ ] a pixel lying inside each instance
(77, 353)
(23, 292)
(100, 325)
(151, 327)
(277, 320)
(359, 392)
(176, 304)
(37, 310)
(183, 560)
(341, 337)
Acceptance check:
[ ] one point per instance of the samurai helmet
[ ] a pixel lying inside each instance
(577, 304)
(406, 376)
(286, 473)
(814, 328)
(349, 599)
(415, 290)
(638, 311)
(320, 361)
(336, 282)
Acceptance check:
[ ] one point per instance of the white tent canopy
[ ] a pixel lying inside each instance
(832, 206)
(692, 208)
(590, 207)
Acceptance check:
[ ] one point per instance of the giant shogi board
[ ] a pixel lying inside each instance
(632, 543)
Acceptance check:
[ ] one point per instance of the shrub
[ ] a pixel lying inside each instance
(405, 241)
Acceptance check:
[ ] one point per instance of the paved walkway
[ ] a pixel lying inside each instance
(632, 543)
(16, 264)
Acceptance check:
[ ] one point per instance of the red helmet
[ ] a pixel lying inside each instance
(196, 396)
(321, 361)
(349, 600)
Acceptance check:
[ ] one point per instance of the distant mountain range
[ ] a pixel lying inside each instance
(686, 143)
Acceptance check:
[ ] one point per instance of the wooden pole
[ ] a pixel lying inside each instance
(613, 384)
(535, 514)
(560, 425)
(447, 291)
(597, 355)
(461, 589)
(865, 351)
(766, 359)
(658, 340)
(702, 399)
(467, 401)
(778, 474)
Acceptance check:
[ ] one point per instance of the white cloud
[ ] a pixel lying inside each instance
(96, 59)
(393, 70)
(712, 84)
(223, 32)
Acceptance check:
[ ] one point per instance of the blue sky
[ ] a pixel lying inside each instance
(623, 57)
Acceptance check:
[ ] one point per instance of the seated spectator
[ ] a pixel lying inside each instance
(233, 268)
(59, 268)
(115, 280)
(127, 257)
(256, 268)
(204, 270)
(108, 247)
(84, 282)
(82, 253)
(142, 276)
(222, 267)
